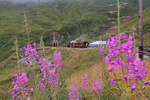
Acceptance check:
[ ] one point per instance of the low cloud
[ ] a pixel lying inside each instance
(24, 1)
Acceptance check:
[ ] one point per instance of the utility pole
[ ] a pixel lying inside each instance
(54, 39)
(41, 42)
(141, 28)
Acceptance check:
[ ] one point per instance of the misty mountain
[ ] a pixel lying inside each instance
(25, 1)
(69, 18)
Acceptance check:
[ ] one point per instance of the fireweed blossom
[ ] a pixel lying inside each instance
(21, 88)
(102, 51)
(74, 93)
(58, 62)
(147, 83)
(47, 69)
(31, 55)
(46, 77)
(113, 81)
(121, 56)
(97, 86)
(109, 69)
(133, 87)
(85, 83)
(49, 72)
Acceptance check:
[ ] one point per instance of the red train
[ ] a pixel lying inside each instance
(78, 45)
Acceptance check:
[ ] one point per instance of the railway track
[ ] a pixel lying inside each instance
(146, 49)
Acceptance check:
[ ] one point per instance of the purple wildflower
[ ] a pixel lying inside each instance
(124, 78)
(113, 81)
(133, 87)
(144, 87)
(102, 51)
(147, 82)
(109, 69)
(21, 86)
(97, 86)
(31, 54)
(73, 93)
(58, 62)
(84, 82)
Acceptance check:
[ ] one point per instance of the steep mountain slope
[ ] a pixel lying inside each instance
(132, 25)
(133, 22)
(69, 18)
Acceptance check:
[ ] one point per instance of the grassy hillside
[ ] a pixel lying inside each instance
(68, 18)
(132, 25)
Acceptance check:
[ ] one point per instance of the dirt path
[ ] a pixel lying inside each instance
(92, 73)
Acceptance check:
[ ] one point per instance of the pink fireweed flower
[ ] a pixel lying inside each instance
(58, 62)
(126, 17)
(144, 87)
(133, 87)
(109, 69)
(53, 77)
(31, 55)
(19, 98)
(102, 51)
(113, 28)
(108, 60)
(97, 86)
(124, 78)
(123, 35)
(41, 86)
(123, 3)
(137, 70)
(113, 81)
(112, 12)
(147, 82)
(109, 19)
(49, 64)
(121, 56)
(84, 82)
(28, 98)
(73, 93)
(49, 74)
(21, 87)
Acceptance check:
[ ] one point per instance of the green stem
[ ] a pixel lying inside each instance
(118, 16)
(17, 54)
(99, 98)
(43, 51)
(134, 40)
(26, 27)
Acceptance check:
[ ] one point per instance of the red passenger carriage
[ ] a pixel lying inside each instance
(78, 45)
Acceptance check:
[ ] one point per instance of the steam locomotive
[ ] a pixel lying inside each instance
(78, 45)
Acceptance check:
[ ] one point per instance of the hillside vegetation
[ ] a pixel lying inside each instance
(74, 61)
(68, 18)
(60, 73)
(132, 25)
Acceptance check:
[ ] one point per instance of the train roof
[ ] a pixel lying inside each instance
(74, 41)
(99, 42)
